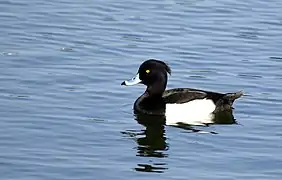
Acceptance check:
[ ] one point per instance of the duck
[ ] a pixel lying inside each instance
(179, 105)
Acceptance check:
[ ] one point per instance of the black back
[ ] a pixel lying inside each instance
(183, 95)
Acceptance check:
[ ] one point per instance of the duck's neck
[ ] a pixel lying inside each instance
(151, 101)
(157, 88)
(152, 95)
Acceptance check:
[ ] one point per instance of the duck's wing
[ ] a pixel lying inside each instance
(183, 95)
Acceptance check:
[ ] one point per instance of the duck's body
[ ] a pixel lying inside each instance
(186, 105)
(181, 105)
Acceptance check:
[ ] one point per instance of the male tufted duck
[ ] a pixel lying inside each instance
(180, 105)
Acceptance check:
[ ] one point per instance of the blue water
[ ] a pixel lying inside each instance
(64, 114)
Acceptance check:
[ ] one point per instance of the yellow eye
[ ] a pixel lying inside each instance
(148, 71)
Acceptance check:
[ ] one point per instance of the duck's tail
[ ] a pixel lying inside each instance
(227, 100)
(231, 97)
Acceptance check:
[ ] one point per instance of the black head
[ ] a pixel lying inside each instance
(153, 74)
(152, 71)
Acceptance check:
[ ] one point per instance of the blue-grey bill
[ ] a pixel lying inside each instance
(133, 81)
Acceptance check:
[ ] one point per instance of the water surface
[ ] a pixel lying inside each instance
(64, 114)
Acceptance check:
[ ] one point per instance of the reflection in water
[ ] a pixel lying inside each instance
(151, 142)
(150, 168)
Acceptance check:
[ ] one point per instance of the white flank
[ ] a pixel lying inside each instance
(196, 112)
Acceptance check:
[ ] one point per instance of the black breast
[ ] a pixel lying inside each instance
(150, 105)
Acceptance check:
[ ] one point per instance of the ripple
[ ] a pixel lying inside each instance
(66, 49)
(9, 53)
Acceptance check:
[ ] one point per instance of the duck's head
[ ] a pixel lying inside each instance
(153, 74)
